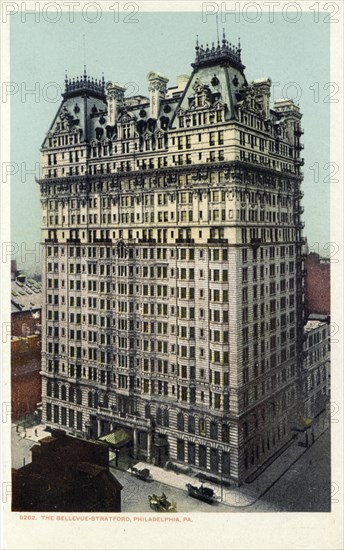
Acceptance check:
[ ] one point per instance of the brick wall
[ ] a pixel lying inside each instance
(26, 384)
(317, 285)
(24, 318)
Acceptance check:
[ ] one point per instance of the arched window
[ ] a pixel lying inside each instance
(71, 394)
(225, 433)
(166, 418)
(90, 399)
(56, 391)
(79, 396)
(63, 393)
(105, 402)
(180, 422)
(213, 430)
(49, 388)
(147, 411)
(95, 402)
(202, 427)
(191, 424)
(159, 416)
(245, 429)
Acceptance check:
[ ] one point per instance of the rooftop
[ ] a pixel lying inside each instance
(26, 294)
(224, 51)
(313, 325)
(84, 84)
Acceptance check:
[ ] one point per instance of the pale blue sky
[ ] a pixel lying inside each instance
(126, 52)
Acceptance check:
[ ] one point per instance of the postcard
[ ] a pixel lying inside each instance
(171, 255)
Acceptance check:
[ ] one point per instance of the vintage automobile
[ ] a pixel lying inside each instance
(161, 504)
(201, 493)
(143, 474)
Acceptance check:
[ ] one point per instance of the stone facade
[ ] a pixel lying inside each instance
(316, 368)
(173, 278)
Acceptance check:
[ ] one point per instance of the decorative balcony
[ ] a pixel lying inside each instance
(215, 240)
(300, 162)
(299, 131)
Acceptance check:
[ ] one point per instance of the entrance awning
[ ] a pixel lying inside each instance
(117, 439)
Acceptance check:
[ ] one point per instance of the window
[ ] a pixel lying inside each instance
(180, 422)
(225, 433)
(166, 418)
(180, 450)
(202, 429)
(191, 424)
(213, 430)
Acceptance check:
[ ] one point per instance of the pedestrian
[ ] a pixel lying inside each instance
(36, 432)
(17, 428)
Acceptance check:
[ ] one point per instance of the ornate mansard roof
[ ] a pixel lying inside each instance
(95, 110)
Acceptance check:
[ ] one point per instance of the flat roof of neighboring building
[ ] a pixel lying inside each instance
(26, 295)
(313, 324)
(318, 317)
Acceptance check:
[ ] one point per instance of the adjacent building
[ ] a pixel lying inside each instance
(172, 276)
(317, 284)
(26, 382)
(316, 367)
(66, 475)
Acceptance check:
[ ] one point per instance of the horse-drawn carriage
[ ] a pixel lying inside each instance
(201, 493)
(143, 474)
(161, 504)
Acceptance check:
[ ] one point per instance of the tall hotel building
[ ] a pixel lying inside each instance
(173, 279)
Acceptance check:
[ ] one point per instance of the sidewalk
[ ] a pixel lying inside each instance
(230, 496)
(35, 433)
(248, 493)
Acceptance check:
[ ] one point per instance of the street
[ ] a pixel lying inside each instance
(304, 487)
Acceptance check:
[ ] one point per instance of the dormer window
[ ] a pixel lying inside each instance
(199, 100)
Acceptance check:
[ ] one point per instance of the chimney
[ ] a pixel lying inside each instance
(115, 96)
(13, 270)
(157, 91)
(182, 81)
(263, 85)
